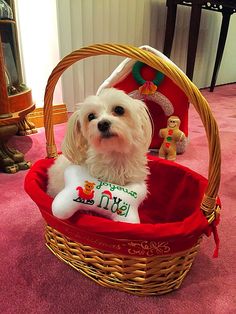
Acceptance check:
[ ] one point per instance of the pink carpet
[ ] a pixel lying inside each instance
(34, 281)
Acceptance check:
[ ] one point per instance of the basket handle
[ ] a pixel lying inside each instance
(208, 204)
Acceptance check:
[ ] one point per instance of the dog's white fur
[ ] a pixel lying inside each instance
(119, 156)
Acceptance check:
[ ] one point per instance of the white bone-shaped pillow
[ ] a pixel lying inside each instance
(83, 192)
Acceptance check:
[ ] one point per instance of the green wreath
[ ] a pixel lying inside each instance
(139, 79)
(147, 87)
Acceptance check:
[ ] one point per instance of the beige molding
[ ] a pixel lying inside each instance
(60, 115)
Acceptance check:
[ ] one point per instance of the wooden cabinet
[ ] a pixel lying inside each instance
(15, 97)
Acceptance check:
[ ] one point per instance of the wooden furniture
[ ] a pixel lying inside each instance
(15, 97)
(226, 7)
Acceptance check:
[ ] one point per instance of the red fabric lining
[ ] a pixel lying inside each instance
(171, 212)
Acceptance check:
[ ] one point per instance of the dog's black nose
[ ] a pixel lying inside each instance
(104, 125)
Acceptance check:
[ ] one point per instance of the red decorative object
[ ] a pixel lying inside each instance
(148, 88)
(169, 89)
(83, 195)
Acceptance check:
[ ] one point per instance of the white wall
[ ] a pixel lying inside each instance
(51, 29)
(135, 22)
(83, 23)
(38, 36)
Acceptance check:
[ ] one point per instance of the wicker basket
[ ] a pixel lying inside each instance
(136, 275)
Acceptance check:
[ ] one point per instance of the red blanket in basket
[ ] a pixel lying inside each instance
(171, 219)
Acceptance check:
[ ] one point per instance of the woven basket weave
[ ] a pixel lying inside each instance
(136, 275)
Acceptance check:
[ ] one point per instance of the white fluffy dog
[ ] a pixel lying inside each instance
(110, 134)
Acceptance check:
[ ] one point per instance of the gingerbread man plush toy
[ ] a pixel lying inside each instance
(172, 135)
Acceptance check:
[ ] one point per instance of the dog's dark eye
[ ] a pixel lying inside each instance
(91, 116)
(119, 110)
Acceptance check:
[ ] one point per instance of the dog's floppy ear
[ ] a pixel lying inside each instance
(74, 145)
(146, 122)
